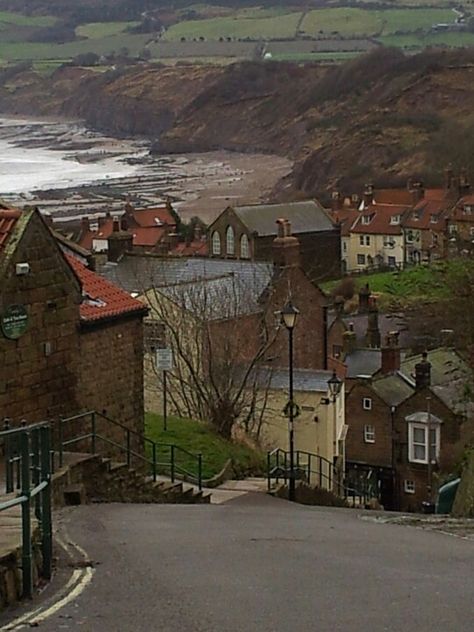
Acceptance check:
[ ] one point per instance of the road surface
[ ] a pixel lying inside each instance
(259, 564)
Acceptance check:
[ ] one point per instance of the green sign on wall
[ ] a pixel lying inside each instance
(14, 321)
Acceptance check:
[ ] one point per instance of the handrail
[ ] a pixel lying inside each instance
(172, 465)
(333, 476)
(29, 447)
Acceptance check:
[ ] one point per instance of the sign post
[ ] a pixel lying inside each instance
(164, 362)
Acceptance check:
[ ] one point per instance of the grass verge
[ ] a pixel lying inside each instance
(198, 437)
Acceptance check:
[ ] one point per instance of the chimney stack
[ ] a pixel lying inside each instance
(364, 295)
(336, 202)
(448, 178)
(368, 194)
(372, 337)
(417, 190)
(423, 372)
(286, 247)
(119, 242)
(464, 186)
(85, 225)
(349, 340)
(391, 354)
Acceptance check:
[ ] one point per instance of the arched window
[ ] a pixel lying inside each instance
(230, 244)
(244, 247)
(216, 243)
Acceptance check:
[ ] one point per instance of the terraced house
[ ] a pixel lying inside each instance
(391, 228)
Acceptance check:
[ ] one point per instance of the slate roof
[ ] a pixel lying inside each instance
(218, 298)
(101, 299)
(449, 375)
(363, 362)
(138, 273)
(304, 380)
(305, 217)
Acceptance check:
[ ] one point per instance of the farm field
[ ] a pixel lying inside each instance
(223, 33)
(238, 26)
(349, 21)
(98, 30)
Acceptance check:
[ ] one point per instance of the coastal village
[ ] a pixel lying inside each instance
(236, 363)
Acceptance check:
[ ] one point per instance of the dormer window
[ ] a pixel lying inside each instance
(415, 215)
(467, 209)
(433, 219)
(366, 219)
(395, 219)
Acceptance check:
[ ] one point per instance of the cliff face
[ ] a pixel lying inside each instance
(383, 117)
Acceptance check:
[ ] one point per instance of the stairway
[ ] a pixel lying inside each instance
(94, 478)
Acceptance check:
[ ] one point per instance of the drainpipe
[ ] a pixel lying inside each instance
(325, 337)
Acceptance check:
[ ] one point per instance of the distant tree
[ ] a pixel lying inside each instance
(86, 59)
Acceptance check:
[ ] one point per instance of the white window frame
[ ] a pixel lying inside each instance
(244, 247)
(412, 444)
(395, 220)
(229, 241)
(367, 403)
(367, 240)
(369, 433)
(361, 240)
(409, 487)
(216, 243)
(366, 219)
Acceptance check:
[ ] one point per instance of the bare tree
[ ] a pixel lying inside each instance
(220, 340)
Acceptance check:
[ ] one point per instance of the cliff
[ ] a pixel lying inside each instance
(382, 117)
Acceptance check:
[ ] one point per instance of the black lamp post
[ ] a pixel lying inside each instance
(335, 385)
(288, 316)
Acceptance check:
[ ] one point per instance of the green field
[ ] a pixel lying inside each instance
(18, 51)
(349, 21)
(98, 30)
(7, 18)
(278, 26)
(198, 437)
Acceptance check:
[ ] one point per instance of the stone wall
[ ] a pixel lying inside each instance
(37, 377)
(110, 373)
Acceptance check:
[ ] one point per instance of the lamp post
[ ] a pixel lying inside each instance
(288, 316)
(335, 386)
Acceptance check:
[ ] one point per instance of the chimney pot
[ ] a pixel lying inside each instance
(423, 372)
(391, 354)
(286, 247)
(85, 225)
(364, 295)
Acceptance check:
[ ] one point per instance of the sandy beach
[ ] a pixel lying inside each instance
(71, 171)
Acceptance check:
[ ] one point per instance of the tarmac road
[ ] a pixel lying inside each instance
(262, 564)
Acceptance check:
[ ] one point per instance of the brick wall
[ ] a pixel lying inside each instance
(358, 450)
(37, 377)
(451, 448)
(310, 330)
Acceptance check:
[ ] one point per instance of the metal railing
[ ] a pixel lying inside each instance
(158, 458)
(313, 469)
(27, 452)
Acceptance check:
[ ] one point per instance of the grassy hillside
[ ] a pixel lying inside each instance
(412, 286)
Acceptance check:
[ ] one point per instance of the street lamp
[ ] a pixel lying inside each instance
(288, 316)
(335, 385)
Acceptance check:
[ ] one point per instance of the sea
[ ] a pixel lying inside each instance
(41, 155)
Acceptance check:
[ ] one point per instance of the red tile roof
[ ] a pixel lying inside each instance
(393, 196)
(380, 222)
(152, 217)
(102, 299)
(195, 248)
(428, 214)
(346, 218)
(459, 214)
(149, 227)
(8, 219)
(147, 237)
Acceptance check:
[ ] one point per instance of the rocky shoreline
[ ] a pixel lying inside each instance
(198, 184)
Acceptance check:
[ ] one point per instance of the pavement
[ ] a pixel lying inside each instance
(255, 563)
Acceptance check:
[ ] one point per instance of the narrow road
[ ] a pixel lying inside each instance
(260, 564)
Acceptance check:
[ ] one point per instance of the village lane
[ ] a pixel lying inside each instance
(261, 564)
